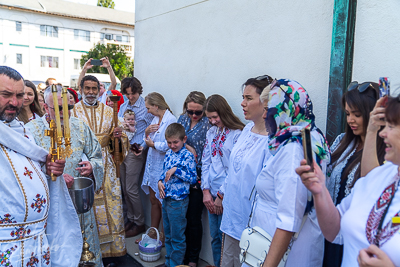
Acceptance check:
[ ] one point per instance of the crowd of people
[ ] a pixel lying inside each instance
(344, 212)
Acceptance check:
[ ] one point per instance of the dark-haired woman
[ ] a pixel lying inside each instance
(31, 108)
(73, 97)
(368, 218)
(196, 126)
(219, 143)
(248, 156)
(347, 150)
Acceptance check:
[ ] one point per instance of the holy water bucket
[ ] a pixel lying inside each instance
(82, 194)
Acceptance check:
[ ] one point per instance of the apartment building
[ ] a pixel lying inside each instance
(47, 38)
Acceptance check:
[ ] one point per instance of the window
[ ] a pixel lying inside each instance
(82, 35)
(127, 47)
(101, 36)
(118, 38)
(76, 63)
(51, 31)
(55, 62)
(108, 36)
(42, 61)
(19, 58)
(51, 62)
(18, 26)
(125, 38)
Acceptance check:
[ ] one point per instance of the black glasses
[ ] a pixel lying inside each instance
(195, 112)
(60, 107)
(361, 87)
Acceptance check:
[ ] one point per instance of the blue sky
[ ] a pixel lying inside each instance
(125, 5)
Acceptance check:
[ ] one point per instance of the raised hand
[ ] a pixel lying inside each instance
(314, 181)
(377, 115)
(105, 62)
(87, 65)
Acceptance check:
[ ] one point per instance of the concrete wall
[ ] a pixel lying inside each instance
(214, 46)
(377, 39)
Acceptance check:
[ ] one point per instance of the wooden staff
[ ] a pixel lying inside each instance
(115, 99)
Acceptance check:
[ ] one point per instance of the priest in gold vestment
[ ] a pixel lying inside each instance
(108, 201)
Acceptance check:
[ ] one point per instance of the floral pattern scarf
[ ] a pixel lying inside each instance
(289, 111)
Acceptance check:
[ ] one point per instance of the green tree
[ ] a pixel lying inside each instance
(106, 3)
(120, 62)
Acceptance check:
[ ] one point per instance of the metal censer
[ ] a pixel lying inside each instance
(82, 195)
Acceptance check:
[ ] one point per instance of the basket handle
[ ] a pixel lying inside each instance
(158, 234)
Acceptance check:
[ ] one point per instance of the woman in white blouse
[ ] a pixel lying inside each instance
(281, 197)
(367, 220)
(220, 139)
(247, 158)
(155, 140)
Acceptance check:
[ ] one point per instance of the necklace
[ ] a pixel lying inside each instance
(375, 232)
(258, 131)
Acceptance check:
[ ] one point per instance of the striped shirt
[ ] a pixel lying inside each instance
(143, 119)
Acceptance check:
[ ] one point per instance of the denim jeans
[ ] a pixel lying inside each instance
(216, 236)
(174, 219)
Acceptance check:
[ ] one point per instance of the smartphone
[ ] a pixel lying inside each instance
(384, 86)
(96, 62)
(308, 152)
(135, 147)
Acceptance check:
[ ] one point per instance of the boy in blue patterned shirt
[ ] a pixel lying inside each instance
(179, 173)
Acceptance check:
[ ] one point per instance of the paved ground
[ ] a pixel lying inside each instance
(132, 259)
(134, 248)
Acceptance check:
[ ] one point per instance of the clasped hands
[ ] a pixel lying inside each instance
(213, 206)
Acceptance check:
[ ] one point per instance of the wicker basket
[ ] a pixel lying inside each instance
(153, 253)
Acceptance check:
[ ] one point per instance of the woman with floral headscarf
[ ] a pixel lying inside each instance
(281, 199)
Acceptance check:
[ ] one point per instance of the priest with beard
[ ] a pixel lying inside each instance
(85, 160)
(39, 224)
(108, 201)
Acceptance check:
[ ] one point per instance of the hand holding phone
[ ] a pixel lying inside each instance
(96, 62)
(135, 147)
(307, 147)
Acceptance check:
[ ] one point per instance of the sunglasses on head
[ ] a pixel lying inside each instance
(195, 112)
(275, 83)
(361, 87)
(263, 77)
(60, 107)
